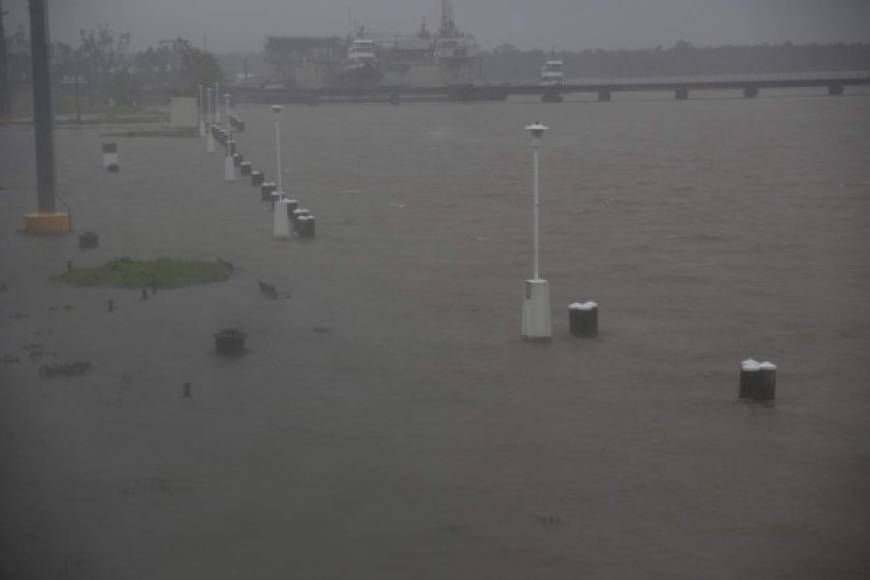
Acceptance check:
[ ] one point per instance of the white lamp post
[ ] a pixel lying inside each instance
(277, 110)
(217, 112)
(536, 298)
(209, 137)
(280, 219)
(229, 166)
(201, 113)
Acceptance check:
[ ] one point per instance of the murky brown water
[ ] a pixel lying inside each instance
(387, 421)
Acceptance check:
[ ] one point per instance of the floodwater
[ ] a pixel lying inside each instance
(387, 421)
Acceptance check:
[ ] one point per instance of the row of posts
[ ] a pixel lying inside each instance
(287, 214)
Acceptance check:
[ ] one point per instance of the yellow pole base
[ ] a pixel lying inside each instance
(54, 223)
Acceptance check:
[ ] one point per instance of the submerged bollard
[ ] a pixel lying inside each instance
(266, 191)
(69, 266)
(298, 213)
(229, 342)
(292, 205)
(280, 221)
(238, 158)
(257, 178)
(757, 380)
(583, 318)
(307, 226)
(246, 167)
(187, 390)
(144, 293)
(767, 381)
(111, 161)
(111, 305)
(89, 240)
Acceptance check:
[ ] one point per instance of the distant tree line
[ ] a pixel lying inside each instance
(104, 70)
(509, 64)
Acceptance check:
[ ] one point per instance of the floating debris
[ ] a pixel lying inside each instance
(230, 342)
(10, 359)
(268, 289)
(68, 369)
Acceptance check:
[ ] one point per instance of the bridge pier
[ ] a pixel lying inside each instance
(552, 96)
(681, 94)
(750, 92)
(604, 96)
(836, 89)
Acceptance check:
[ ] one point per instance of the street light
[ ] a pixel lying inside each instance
(277, 110)
(209, 137)
(217, 111)
(201, 114)
(536, 299)
(229, 166)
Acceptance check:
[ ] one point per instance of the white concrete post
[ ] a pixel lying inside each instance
(280, 220)
(209, 137)
(537, 325)
(201, 114)
(229, 165)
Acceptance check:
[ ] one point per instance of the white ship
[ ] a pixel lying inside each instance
(553, 73)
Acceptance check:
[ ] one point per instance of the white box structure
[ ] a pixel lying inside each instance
(183, 113)
(537, 323)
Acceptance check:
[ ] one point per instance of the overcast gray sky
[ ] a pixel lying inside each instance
(566, 24)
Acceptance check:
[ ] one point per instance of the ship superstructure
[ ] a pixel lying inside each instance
(448, 56)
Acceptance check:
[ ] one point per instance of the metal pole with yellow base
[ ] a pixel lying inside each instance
(46, 220)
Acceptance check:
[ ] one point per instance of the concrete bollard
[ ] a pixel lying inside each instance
(229, 168)
(89, 240)
(757, 380)
(257, 178)
(280, 222)
(209, 141)
(767, 381)
(307, 226)
(111, 162)
(238, 158)
(298, 213)
(274, 197)
(246, 167)
(229, 342)
(681, 94)
(583, 319)
(266, 191)
(231, 145)
(292, 205)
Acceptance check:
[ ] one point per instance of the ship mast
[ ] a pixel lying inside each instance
(448, 25)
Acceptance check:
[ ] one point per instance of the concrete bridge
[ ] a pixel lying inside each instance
(682, 88)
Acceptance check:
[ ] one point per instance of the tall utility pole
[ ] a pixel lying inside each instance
(42, 110)
(4, 71)
(46, 220)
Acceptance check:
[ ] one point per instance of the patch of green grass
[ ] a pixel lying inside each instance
(160, 273)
